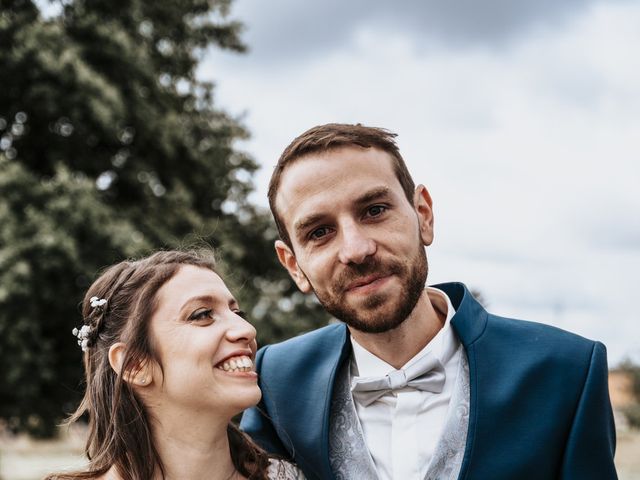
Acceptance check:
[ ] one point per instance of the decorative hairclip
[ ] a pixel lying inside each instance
(86, 331)
(83, 336)
(97, 302)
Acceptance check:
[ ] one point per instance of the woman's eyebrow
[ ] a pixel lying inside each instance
(197, 298)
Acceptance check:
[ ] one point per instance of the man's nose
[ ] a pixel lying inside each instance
(355, 245)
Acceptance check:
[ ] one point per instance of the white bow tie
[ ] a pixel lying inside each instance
(427, 374)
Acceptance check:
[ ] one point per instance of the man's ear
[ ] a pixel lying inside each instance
(288, 261)
(423, 205)
(141, 375)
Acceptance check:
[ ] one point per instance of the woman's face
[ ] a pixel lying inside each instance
(205, 347)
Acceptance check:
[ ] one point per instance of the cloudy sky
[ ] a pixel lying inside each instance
(521, 118)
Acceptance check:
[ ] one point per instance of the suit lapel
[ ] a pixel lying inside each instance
(298, 402)
(336, 352)
(469, 323)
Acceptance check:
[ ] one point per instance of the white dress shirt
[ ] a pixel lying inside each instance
(402, 428)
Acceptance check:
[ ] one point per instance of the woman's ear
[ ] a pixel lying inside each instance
(141, 375)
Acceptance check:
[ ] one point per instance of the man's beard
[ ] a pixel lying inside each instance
(365, 317)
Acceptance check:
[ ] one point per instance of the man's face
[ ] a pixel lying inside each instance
(357, 241)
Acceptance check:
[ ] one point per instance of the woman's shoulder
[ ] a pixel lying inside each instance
(282, 470)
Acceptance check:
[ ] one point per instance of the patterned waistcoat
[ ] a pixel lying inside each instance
(349, 455)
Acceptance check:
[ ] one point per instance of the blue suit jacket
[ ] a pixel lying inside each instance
(540, 404)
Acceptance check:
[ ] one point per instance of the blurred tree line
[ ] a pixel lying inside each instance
(110, 147)
(632, 412)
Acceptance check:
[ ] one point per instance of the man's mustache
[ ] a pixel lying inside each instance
(371, 266)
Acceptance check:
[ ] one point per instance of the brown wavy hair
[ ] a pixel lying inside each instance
(119, 428)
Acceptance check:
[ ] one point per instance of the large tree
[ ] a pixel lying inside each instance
(111, 147)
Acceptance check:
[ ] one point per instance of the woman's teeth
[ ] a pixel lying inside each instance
(237, 364)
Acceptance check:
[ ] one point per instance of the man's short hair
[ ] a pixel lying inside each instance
(331, 136)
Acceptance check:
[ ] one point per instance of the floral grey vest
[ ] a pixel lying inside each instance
(349, 455)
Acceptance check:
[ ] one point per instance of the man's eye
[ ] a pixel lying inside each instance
(203, 314)
(318, 233)
(376, 210)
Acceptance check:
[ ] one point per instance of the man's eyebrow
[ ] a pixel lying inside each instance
(306, 222)
(372, 195)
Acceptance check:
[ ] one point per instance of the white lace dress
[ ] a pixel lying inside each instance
(283, 470)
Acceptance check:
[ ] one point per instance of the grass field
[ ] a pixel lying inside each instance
(25, 459)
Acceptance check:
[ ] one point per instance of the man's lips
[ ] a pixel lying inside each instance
(367, 283)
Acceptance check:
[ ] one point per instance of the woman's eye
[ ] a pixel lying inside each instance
(376, 210)
(241, 313)
(204, 314)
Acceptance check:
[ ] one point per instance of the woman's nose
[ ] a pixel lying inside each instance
(241, 330)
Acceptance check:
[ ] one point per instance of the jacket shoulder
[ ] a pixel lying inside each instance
(316, 346)
(536, 331)
(537, 342)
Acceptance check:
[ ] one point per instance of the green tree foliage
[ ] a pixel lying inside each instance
(110, 147)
